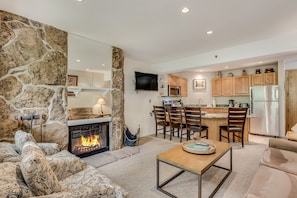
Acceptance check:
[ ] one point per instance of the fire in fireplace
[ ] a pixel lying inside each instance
(88, 139)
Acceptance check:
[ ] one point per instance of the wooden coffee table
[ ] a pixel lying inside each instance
(194, 163)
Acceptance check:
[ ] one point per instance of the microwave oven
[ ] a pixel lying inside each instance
(173, 90)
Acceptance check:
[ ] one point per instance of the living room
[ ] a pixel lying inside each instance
(45, 100)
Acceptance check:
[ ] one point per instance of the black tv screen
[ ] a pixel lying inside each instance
(145, 81)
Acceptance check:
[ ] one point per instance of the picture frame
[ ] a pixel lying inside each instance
(199, 84)
(72, 80)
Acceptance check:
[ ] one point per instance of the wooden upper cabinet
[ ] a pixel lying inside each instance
(264, 79)
(257, 80)
(227, 86)
(241, 85)
(179, 81)
(216, 87)
(270, 78)
(183, 83)
(172, 80)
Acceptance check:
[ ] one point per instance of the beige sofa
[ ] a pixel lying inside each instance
(276, 176)
(29, 169)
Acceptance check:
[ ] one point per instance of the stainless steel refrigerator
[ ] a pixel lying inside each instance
(264, 110)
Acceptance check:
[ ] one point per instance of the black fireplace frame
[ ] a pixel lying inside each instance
(86, 127)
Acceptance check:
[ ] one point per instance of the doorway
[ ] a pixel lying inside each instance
(291, 99)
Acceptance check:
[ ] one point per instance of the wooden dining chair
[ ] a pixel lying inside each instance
(176, 121)
(160, 119)
(193, 122)
(236, 122)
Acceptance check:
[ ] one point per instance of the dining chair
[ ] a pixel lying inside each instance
(176, 121)
(160, 119)
(236, 122)
(193, 122)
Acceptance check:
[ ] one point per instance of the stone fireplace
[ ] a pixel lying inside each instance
(33, 74)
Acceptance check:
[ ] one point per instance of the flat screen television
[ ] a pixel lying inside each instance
(146, 81)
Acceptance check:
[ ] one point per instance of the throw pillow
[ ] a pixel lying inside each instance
(8, 153)
(49, 148)
(11, 183)
(65, 164)
(37, 172)
(20, 138)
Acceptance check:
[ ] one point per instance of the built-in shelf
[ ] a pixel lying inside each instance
(76, 90)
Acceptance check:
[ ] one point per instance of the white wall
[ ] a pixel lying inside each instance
(139, 104)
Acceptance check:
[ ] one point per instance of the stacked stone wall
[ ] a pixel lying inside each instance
(33, 70)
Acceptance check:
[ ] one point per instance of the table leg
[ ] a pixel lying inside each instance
(199, 186)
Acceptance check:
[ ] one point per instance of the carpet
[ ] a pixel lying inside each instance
(137, 173)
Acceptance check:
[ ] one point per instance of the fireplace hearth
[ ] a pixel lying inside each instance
(89, 139)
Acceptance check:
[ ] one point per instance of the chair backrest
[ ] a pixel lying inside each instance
(175, 115)
(160, 114)
(236, 118)
(193, 116)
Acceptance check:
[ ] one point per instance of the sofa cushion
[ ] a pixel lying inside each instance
(65, 164)
(36, 170)
(8, 153)
(91, 184)
(20, 138)
(11, 181)
(280, 159)
(49, 148)
(272, 183)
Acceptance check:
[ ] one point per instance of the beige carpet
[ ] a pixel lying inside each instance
(137, 173)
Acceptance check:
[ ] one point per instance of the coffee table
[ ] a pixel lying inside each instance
(194, 163)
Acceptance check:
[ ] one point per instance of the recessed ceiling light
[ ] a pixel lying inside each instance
(79, 0)
(103, 65)
(185, 10)
(260, 62)
(226, 67)
(88, 69)
(77, 60)
(209, 32)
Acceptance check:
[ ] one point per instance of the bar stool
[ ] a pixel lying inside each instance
(193, 122)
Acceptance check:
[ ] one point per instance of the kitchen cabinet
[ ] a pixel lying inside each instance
(179, 81)
(270, 78)
(264, 79)
(227, 88)
(222, 86)
(216, 86)
(241, 86)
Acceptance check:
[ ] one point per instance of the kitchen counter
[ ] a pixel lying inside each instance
(88, 121)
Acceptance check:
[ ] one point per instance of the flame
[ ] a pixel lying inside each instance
(92, 140)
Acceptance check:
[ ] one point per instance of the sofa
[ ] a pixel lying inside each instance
(30, 169)
(276, 176)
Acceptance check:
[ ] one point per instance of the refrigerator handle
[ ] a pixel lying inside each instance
(276, 93)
